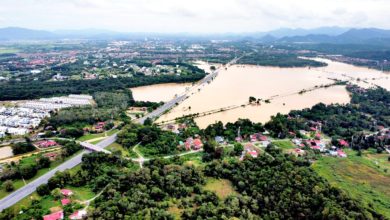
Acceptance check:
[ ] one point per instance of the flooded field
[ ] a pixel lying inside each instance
(233, 87)
(160, 92)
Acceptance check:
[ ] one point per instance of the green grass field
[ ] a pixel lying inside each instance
(284, 144)
(363, 178)
(126, 153)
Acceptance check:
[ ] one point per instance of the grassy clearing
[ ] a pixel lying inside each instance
(81, 193)
(117, 147)
(360, 177)
(88, 137)
(175, 211)
(194, 159)
(284, 144)
(222, 187)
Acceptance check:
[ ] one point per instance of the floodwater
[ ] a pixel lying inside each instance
(234, 86)
(5, 152)
(160, 92)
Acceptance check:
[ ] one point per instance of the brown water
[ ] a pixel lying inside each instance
(160, 92)
(234, 86)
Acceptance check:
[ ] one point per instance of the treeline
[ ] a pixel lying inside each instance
(34, 89)
(278, 59)
(153, 141)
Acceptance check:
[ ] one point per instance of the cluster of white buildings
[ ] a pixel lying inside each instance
(28, 115)
(56, 103)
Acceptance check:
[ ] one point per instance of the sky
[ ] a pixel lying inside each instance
(192, 16)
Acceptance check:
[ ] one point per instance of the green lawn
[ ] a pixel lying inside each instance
(361, 177)
(90, 136)
(126, 153)
(284, 144)
(81, 193)
(98, 135)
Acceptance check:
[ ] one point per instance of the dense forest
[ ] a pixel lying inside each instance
(272, 186)
(368, 110)
(278, 59)
(152, 140)
(34, 89)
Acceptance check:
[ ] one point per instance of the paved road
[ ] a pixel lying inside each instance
(31, 187)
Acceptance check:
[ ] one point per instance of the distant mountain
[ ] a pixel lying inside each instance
(364, 34)
(352, 36)
(16, 33)
(289, 32)
(268, 38)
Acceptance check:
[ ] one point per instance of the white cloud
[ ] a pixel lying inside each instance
(193, 15)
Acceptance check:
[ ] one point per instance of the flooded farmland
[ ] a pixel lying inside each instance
(233, 87)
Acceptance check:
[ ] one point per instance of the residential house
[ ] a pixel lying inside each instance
(46, 143)
(54, 216)
(79, 214)
(66, 192)
(65, 201)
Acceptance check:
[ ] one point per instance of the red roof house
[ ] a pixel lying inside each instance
(198, 144)
(263, 138)
(54, 216)
(253, 153)
(46, 143)
(66, 192)
(65, 201)
(343, 143)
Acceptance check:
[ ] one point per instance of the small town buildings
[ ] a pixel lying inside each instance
(54, 216)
